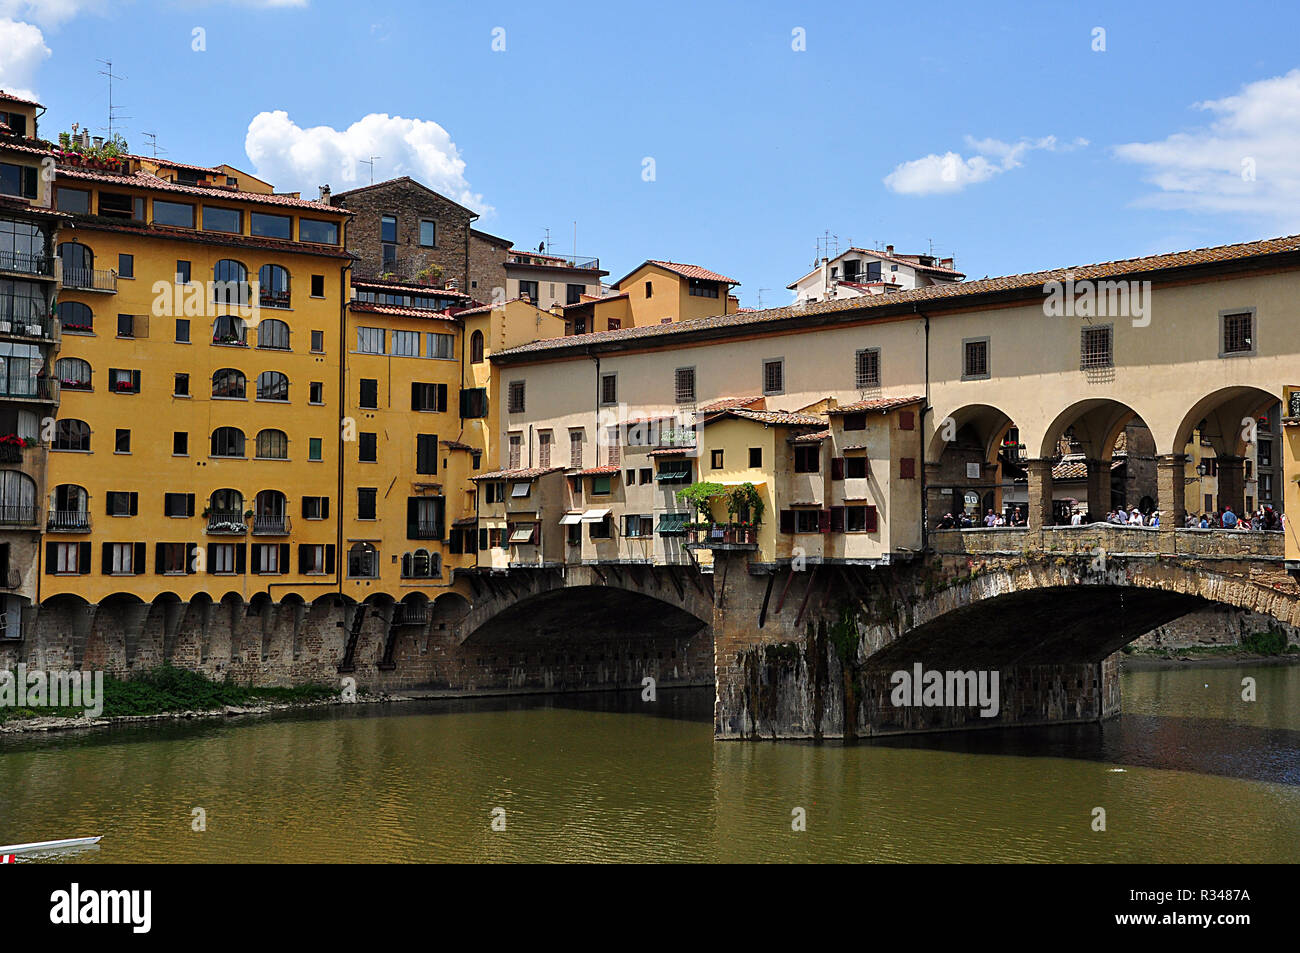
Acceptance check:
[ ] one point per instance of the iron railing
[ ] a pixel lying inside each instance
(227, 524)
(68, 521)
(271, 525)
(25, 263)
(89, 279)
(24, 388)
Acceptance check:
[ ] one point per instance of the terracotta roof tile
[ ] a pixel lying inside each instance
(11, 98)
(411, 287)
(772, 418)
(146, 180)
(97, 223)
(401, 311)
(692, 271)
(955, 294)
(579, 304)
(817, 436)
(531, 473)
(598, 471)
(726, 403)
(878, 403)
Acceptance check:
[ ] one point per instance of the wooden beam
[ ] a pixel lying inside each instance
(762, 613)
(812, 579)
(789, 578)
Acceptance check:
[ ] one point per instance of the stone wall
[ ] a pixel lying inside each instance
(410, 202)
(1214, 625)
(487, 269)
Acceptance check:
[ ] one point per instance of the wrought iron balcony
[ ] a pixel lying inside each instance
(227, 524)
(271, 525)
(68, 521)
(23, 263)
(424, 529)
(25, 388)
(89, 279)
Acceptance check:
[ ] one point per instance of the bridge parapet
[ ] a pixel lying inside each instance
(1109, 538)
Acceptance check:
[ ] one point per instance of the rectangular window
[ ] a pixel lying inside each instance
(516, 446)
(609, 388)
(684, 385)
(123, 381)
(172, 559)
(647, 475)
(180, 443)
(1265, 453)
(573, 293)
(388, 229)
(807, 521)
(181, 385)
(182, 273)
(311, 560)
(318, 286)
(71, 200)
(855, 468)
(314, 448)
(860, 519)
(442, 346)
(1095, 348)
(515, 400)
(182, 330)
(715, 459)
(315, 507)
(774, 376)
(431, 398)
(369, 340)
(426, 453)
(368, 399)
(178, 505)
(576, 439)
(702, 289)
(175, 214)
(975, 359)
(368, 448)
(120, 503)
(601, 529)
(528, 291)
(318, 342)
(21, 180)
(223, 220)
(600, 485)
(808, 459)
(125, 266)
(123, 442)
(907, 468)
(406, 343)
(520, 490)
(266, 558)
(544, 448)
(428, 233)
(316, 392)
(318, 232)
(121, 558)
(366, 498)
(222, 559)
(1237, 333)
(855, 421)
(264, 225)
(906, 420)
(613, 454)
(118, 205)
(473, 402)
(68, 558)
(867, 368)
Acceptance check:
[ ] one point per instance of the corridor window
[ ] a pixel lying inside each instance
(406, 343)
(515, 399)
(1095, 348)
(867, 368)
(369, 340)
(684, 385)
(774, 376)
(975, 359)
(442, 346)
(1237, 332)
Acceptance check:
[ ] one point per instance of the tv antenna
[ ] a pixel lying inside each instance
(108, 71)
(370, 162)
(153, 142)
(824, 245)
(760, 297)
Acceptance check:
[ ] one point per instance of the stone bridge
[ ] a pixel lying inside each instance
(810, 654)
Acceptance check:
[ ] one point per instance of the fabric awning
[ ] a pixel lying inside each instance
(594, 516)
(568, 519)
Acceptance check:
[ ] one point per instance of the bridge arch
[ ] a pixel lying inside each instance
(1095, 422)
(1221, 416)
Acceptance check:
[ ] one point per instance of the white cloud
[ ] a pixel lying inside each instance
(295, 158)
(1245, 161)
(49, 12)
(951, 172)
(22, 50)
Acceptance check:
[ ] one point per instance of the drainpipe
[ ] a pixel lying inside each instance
(925, 495)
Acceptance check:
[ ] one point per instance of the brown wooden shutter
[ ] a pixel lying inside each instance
(787, 521)
(837, 468)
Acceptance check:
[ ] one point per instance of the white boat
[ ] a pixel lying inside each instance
(50, 845)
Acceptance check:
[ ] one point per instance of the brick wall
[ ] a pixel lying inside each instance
(410, 203)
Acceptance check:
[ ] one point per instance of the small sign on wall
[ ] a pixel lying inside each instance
(973, 471)
(1291, 406)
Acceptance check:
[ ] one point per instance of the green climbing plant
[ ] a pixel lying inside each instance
(744, 505)
(698, 496)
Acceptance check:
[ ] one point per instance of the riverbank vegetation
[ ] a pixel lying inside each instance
(169, 689)
(1268, 644)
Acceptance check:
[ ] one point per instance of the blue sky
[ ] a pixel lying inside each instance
(999, 133)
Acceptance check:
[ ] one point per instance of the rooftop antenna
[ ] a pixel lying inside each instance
(760, 297)
(824, 244)
(931, 241)
(153, 142)
(108, 71)
(370, 162)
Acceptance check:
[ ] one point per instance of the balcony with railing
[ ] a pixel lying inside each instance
(569, 262)
(271, 525)
(406, 613)
(424, 529)
(18, 515)
(41, 327)
(27, 264)
(227, 524)
(26, 388)
(88, 279)
(68, 521)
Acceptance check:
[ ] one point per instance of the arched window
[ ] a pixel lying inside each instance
(73, 373)
(230, 283)
(69, 508)
(17, 497)
(71, 434)
(421, 564)
(272, 385)
(270, 512)
(363, 561)
(228, 329)
(476, 348)
(76, 317)
(78, 265)
(227, 442)
(228, 382)
(225, 506)
(272, 445)
(274, 333)
(273, 286)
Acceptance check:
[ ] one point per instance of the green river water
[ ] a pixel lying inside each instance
(1189, 773)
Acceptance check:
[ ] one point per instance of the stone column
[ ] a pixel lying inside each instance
(1040, 494)
(1098, 488)
(1232, 483)
(1171, 492)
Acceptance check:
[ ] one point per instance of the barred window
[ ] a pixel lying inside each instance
(685, 385)
(1095, 348)
(1238, 333)
(773, 377)
(975, 358)
(868, 368)
(516, 398)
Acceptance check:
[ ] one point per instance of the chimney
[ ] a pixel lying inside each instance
(325, 195)
(889, 249)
